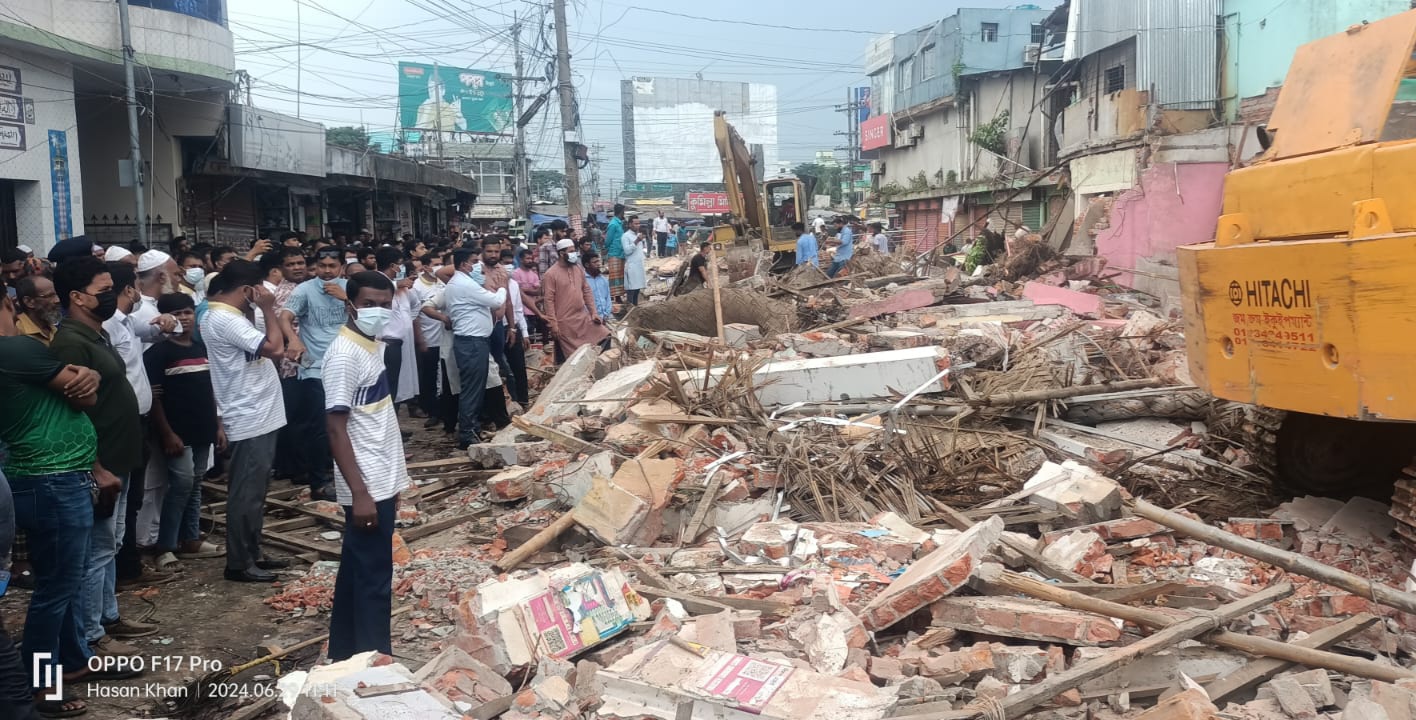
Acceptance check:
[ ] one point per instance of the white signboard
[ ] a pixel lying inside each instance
(265, 140)
(879, 52)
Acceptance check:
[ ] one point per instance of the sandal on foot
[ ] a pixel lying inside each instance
(65, 708)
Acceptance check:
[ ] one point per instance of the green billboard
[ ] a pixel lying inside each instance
(449, 99)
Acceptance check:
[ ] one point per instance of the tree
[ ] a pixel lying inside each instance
(354, 138)
(547, 184)
(828, 179)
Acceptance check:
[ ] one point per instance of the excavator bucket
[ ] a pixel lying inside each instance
(1340, 89)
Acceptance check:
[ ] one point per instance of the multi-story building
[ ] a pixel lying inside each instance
(667, 126)
(956, 126)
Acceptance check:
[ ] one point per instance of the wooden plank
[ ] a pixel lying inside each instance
(687, 419)
(325, 551)
(418, 532)
(299, 523)
(766, 607)
(700, 513)
(568, 442)
(456, 460)
(1257, 671)
(959, 521)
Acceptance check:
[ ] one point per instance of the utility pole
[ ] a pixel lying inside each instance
(852, 146)
(569, 138)
(437, 84)
(135, 150)
(522, 182)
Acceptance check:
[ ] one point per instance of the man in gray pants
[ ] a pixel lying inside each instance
(247, 388)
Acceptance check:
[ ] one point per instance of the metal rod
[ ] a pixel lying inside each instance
(135, 150)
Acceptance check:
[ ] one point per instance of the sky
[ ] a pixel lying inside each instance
(349, 50)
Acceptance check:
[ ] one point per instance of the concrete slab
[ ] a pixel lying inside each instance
(493, 455)
(570, 383)
(853, 377)
(1077, 490)
(1024, 618)
(1080, 303)
(899, 302)
(614, 390)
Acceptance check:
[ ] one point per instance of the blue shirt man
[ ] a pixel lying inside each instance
(599, 287)
(321, 315)
(846, 250)
(806, 248)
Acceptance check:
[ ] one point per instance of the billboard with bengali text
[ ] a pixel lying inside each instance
(875, 133)
(453, 100)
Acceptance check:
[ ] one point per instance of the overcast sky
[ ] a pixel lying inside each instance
(812, 52)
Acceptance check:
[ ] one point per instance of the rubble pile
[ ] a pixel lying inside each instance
(934, 506)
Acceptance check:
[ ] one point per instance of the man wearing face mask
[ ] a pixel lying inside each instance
(431, 325)
(470, 305)
(401, 343)
(192, 274)
(318, 306)
(86, 288)
(38, 306)
(369, 469)
(568, 305)
(241, 359)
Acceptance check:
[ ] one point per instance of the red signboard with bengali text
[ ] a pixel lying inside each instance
(709, 203)
(875, 132)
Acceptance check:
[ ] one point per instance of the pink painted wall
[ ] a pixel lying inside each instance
(1174, 204)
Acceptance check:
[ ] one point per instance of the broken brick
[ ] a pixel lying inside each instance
(933, 576)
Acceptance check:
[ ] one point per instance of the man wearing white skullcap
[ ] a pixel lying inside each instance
(118, 253)
(157, 276)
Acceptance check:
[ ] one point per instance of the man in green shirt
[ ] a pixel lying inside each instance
(52, 470)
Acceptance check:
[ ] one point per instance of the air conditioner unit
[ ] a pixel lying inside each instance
(916, 131)
(1031, 53)
(877, 167)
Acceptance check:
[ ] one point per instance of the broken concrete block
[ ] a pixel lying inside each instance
(610, 512)
(1360, 708)
(343, 693)
(887, 670)
(1318, 685)
(1076, 490)
(1127, 528)
(1084, 304)
(462, 678)
(1024, 618)
(740, 335)
(1077, 551)
(899, 340)
(897, 303)
(571, 479)
(1293, 698)
(772, 540)
(828, 638)
(900, 528)
(610, 395)
(511, 484)
(657, 680)
(992, 688)
(1362, 519)
(1192, 704)
(1017, 665)
(1398, 702)
(933, 576)
(513, 623)
(816, 344)
(490, 456)
(570, 383)
(1309, 512)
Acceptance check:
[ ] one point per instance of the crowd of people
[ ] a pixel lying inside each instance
(128, 375)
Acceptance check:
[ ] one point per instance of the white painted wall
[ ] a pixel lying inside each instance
(50, 85)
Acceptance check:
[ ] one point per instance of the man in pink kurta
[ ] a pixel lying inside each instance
(567, 305)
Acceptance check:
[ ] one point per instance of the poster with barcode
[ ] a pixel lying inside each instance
(749, 683)
(553, 625)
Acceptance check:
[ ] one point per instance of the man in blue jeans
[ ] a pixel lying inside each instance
(52, 466)
(318, 305)
(185, 425)
(470, 305)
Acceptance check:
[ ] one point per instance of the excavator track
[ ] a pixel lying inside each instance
(1403, 506)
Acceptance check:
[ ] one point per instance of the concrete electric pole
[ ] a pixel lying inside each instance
(135, 150)
(570, 139)
(522, 183)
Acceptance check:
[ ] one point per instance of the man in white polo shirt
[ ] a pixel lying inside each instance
(247, 387)
(368, 468)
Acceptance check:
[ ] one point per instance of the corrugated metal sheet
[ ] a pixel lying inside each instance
(1177, 46)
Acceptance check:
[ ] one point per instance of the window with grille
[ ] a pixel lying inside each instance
(904, 75)
(928, 62)
(990, 32)
(1115, 79)
(1039, 35)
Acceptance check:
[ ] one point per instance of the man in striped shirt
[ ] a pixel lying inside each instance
(369, 469)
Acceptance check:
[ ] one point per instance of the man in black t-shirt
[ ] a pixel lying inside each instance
(186, 427)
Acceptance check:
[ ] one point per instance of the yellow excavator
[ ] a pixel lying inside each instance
(762, 216)
(1305, 302)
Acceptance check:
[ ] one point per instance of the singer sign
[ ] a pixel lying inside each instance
(875, 133)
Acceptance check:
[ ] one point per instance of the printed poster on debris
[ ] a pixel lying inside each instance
(577, 616)
(750, 683)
